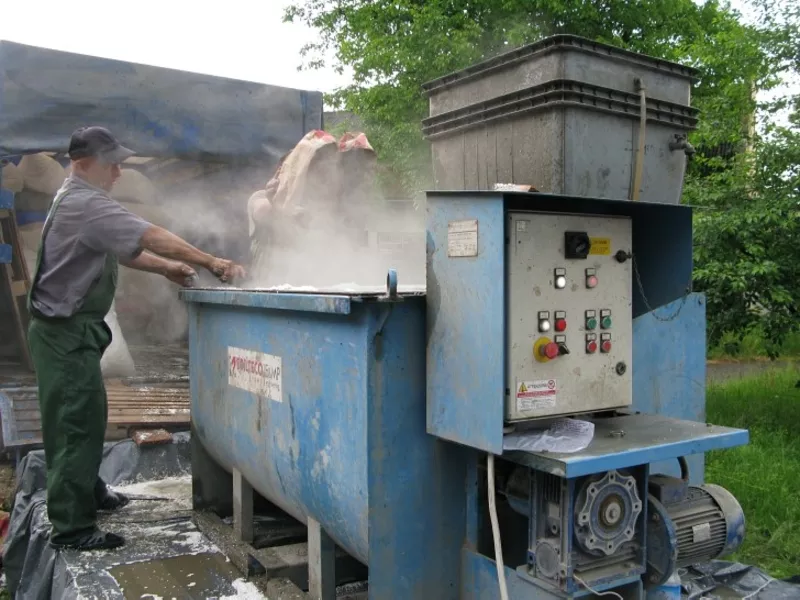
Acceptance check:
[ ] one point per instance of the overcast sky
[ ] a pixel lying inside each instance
(243, 39)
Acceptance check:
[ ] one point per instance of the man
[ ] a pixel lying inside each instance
(84, 237)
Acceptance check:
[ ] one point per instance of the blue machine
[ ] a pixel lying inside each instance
(408, 428)
(373, 414)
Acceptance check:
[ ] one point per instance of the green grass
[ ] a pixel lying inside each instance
(752, 347)
(765, 475)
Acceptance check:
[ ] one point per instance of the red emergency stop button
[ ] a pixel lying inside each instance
(605, 347)
(561, 324)
(591, 347)
(549, 350)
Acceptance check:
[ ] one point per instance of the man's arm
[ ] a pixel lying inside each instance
(164, 243)
(160, 241)
(174, 271)
(147, 262)
(108, 227)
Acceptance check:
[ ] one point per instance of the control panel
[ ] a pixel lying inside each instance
(569, 320)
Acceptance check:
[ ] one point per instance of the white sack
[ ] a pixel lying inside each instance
(42, 173)
(117, 360)
(12, 178)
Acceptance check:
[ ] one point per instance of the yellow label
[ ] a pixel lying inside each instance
(601, 246)
(522, 388)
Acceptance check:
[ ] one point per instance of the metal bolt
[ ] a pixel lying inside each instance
(656, 518)
(654, 578)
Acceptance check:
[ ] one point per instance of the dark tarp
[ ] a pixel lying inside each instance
(34, 571)
(46, 94)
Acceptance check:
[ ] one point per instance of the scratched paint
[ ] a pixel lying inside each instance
(348, 445)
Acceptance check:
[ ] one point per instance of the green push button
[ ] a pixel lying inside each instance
(591, 323)
(606, 323)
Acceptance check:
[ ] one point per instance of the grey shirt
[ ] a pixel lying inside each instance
(87, 226)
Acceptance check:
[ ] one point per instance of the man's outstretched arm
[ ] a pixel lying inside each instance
(177, 272)
(158, 240)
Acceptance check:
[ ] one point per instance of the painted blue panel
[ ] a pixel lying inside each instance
(308, 453)
(466, 332)
(249, 299)
(6, 199)
(46, 94)
(644, 439)
(347, 444)
(479, 582)
(669, 369)
(416, 481)
(6, 254)
(24, 217)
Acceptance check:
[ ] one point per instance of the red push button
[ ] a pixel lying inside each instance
(605, 347)
(550, 350)
(591, 281)
(561, 324)
(591, 347)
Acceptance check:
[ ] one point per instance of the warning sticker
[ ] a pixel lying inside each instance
(600, 246)
(462, 238)
(536, 395)
(256, 372)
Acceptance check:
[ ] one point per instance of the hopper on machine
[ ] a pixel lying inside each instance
(565, 115)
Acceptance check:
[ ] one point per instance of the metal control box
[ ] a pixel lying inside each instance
(569, 314)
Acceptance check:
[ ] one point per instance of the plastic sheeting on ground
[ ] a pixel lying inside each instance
(721, 580)
(34, 570)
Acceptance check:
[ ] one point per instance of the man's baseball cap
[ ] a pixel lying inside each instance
(97, 142)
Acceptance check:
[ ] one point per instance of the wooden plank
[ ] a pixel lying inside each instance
(16, 271)
(19, 288)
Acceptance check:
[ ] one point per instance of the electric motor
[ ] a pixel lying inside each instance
(688, 525)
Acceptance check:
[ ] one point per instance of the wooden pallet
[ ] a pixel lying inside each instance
(149, 404)
(15, 278)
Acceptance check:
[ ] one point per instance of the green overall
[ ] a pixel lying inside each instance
(66, 353)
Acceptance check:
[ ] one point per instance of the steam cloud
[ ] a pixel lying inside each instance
(347, 236)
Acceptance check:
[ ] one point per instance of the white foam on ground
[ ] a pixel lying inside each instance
(244, 591)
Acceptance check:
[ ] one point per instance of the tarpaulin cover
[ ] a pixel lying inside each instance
(46, 94)
(34, 570)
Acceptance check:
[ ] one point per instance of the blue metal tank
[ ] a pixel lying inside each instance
(319, 401)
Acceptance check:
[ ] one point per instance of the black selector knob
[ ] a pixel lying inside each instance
(577, 244)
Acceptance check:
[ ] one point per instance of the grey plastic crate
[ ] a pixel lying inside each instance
(560, 57)
(562, 137)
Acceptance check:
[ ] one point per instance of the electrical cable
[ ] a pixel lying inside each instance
(498, 548)
(594, 591)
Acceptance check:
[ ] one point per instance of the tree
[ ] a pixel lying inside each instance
(394, 46)
(747, 221)
(747, 229)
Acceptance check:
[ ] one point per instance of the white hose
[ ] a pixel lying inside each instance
(498, 548)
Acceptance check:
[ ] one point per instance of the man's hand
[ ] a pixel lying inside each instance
(226, 270)
(180, 273)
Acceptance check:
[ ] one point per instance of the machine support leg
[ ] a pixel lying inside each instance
(242, 507)
(321, 563)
